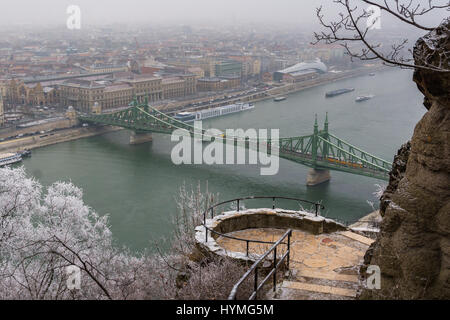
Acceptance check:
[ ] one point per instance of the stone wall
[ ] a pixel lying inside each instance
(260, 218)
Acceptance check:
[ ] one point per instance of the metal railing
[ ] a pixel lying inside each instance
(247, 241)
(273, 272)
(281, 241)
(318, 206)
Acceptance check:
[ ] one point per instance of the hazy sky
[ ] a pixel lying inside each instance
(165, 11)
(176, 11)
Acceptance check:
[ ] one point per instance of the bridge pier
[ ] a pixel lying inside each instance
(317, 176)
(138, 138)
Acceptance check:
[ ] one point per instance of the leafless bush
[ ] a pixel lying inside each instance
(191, 204)
(187, 273)
(214, 280)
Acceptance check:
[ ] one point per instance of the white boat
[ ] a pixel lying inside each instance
(364, 98)
(213, 113)
(9, 158)
(185, 116)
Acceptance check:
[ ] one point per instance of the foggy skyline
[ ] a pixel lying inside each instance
(176, 12)
(44, 12)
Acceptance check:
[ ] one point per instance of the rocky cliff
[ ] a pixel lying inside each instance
(413, 248)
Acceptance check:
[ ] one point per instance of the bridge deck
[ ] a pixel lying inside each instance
(321, 150)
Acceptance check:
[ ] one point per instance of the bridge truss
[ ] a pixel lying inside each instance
(320, 150)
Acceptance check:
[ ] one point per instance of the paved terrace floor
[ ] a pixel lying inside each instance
(322, 266)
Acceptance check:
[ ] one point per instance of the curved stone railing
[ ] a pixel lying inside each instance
(231, 221)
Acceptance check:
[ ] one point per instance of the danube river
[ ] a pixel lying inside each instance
(136, 185)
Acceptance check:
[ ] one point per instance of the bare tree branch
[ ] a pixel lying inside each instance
(347, 28)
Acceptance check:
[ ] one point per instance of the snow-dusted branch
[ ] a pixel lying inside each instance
(351, 27)
(43, 233)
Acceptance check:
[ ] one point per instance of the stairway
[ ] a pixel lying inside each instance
(322, 284)
(318, 286)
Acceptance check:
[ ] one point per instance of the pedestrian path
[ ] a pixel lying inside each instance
(322, 266)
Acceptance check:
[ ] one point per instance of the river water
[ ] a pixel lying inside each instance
(136, 185)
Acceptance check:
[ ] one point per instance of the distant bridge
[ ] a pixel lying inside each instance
(321, 150)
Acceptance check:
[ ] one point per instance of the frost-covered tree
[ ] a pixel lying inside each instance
(44, 232)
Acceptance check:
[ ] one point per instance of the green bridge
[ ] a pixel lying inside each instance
(322, 151)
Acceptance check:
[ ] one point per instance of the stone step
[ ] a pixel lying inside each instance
(358, 237)
(333, 276)
(319, 289)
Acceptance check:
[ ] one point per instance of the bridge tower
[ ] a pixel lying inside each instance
(315, 141)
(325, 136)
(317, 175)
(137, 137)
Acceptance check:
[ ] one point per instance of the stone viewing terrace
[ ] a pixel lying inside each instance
(322, 256)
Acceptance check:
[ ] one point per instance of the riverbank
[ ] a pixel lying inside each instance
(297, 87)
(271, 93)
(66, 135)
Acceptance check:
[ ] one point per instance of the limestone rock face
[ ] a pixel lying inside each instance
(395, 176)
(413, 248)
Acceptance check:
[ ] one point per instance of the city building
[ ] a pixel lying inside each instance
(114, 95)
(330, 53)
(256, 67)
(208, 84)
(301, 72)
(230, 82)
(17, 92)
(119, 90)
(173, 88)
(249, 65)
(145, 86)
(197, 71)
(218, 83)
(104, 68)
(82, 94)
(190, 83)
(228, 68)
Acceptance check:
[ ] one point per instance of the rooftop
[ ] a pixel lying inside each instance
(316, 65)
(117, 87)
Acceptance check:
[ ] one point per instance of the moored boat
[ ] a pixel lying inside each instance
(25, 153)
(214, 112)
(364, 98)
(338, 92)
(185, 116)
(9, 158)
